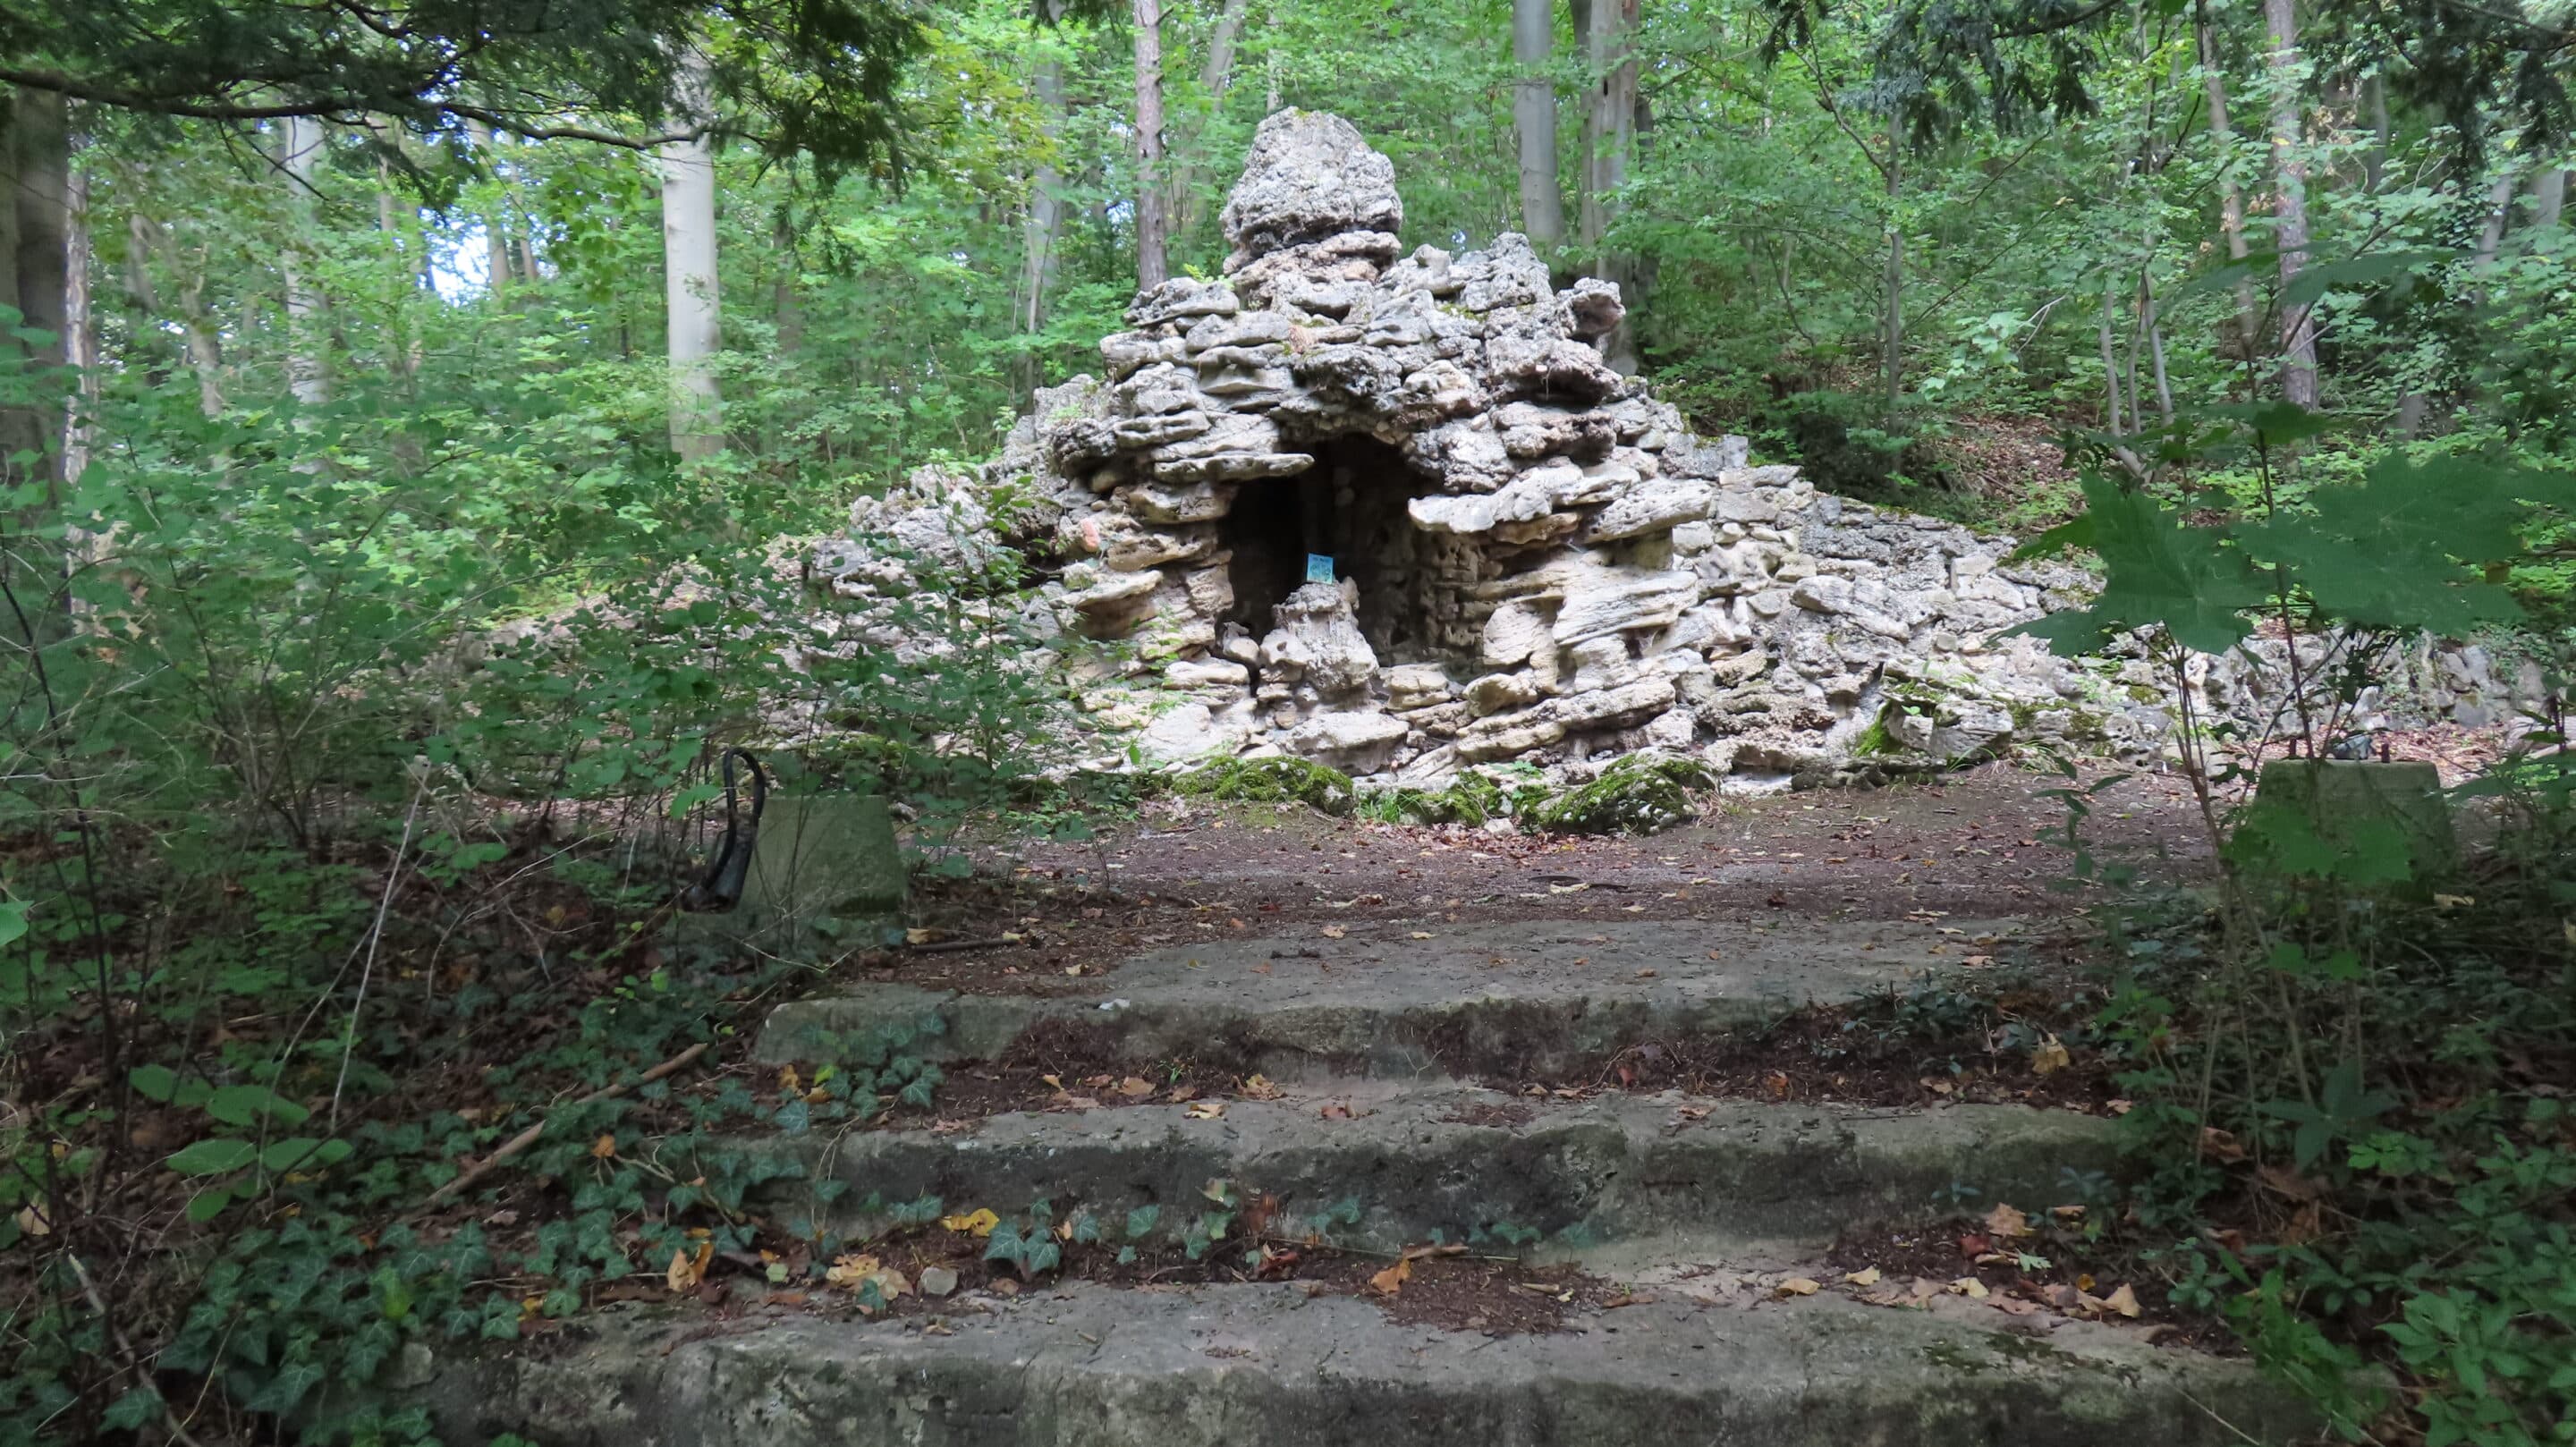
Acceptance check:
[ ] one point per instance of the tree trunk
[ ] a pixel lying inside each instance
(2290, 202)
(496, 225)
(1610, 127)
(2155, 347)
(2374, 162)
(1044, 225)
(35, 208)
(1270, 64)
(1153, 226)
(689, 288)
(2110, 362)
(1893, 329)
(2499, 214)
(787, 296)
(2231, 201)
(80, 326)
(1190, 190)
(2548, 198)
(306, 378)
(1534, 117)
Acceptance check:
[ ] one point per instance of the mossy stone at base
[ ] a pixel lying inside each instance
(2346, 802)
(822, 857)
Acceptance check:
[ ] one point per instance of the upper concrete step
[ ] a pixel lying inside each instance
(1628, 1175)
(1269, 1366)
(1545, 999)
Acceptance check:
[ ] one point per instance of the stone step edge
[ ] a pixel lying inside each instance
(1520, 1035)
(1572, 1176)
(1271, 1366)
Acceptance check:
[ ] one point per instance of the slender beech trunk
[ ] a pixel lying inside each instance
(2156, 347)
(1892, 330)
(2548, 198)
(689, 287)
(1153, 225)
(2374, 162)
(2290, 202)
(496, 224)
(2498, 216)
(1190, 191)
(80, 325)
(301, 158)
(1045, 224)
(147, 238)
(35, 210)
(787, 294)
(2110, 362)
(1270, 63)
(1610, 130)
(2231, 201)
(1534, 117)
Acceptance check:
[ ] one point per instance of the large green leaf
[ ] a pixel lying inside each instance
(214, 1156)
(2161, 572)
(2395, 550)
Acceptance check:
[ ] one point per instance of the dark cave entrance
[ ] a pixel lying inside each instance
(1350, 507)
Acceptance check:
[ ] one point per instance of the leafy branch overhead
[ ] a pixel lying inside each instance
(2406, 548)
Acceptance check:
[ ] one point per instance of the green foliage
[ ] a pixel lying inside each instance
(1470, 799)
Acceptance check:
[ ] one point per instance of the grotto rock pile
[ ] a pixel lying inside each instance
(1391, 512)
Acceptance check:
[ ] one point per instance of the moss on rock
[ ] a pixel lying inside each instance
(1640, 794)
(1271, 781)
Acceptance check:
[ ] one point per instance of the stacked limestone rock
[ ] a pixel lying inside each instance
(1578, 574)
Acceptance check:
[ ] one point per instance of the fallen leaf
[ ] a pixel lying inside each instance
(1335, 1111)
(1206, 1109)
(687, 1268)
(1135, 1087)
(1796, 1286)
(2453, 901)
(1258, 1087)
(978, 1224)
(2124, 1301)
(1868, 1276)
(2220, 1144)
(603, 1148)
(1978, 961)
(1969, 1287)
(2015, 1306)
(1392, 1279)
(2007, 1221)
(789, 1083)
(924, 936)
(33, 1221)
(1334, 932)
(2049, 1058)
(849, 1271)
(1419, 935)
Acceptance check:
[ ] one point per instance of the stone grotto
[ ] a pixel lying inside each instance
(1392, 512)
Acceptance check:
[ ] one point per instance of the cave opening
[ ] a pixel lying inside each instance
(1348, 507)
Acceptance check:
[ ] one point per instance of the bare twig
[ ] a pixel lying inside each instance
(528, 1137)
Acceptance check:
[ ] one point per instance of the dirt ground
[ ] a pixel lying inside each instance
(1984, 843)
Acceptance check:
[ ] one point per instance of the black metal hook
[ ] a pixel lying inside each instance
(731, 868)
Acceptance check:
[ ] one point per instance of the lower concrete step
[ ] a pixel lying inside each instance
(1270, 1366)
(1536, 999)
(1471, 1164)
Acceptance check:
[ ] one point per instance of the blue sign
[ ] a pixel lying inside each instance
(1319, 569)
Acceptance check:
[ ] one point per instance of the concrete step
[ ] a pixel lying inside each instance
(1615, 1173)
(1270, 1366)
(1545, 999)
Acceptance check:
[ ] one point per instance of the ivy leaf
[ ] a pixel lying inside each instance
(2161, 572)
(214, 1156)
(247, 1104)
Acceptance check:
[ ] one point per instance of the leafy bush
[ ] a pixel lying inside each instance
(2357, 1061)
